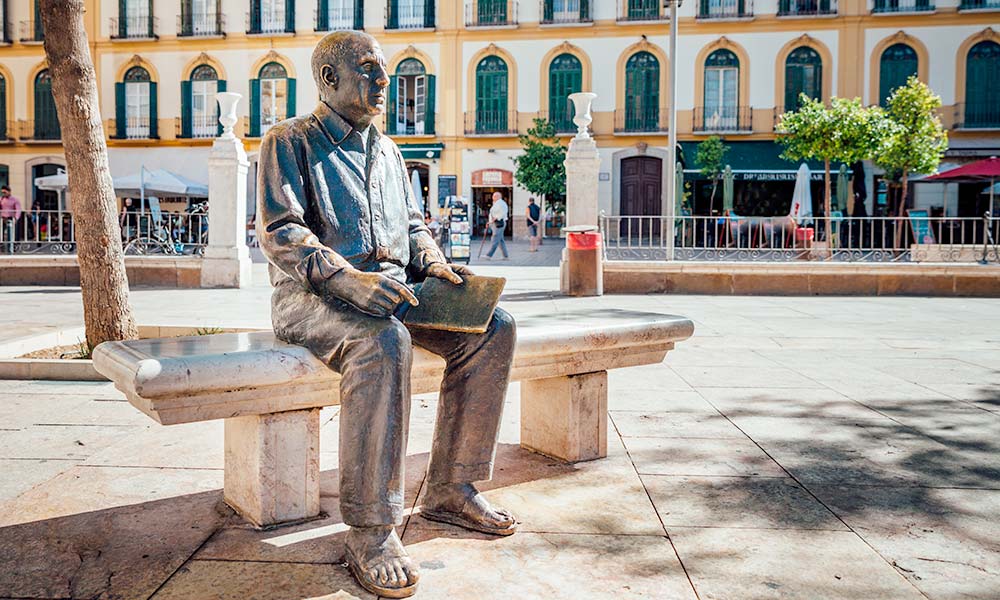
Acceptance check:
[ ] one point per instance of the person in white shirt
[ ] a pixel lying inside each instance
(498, 222)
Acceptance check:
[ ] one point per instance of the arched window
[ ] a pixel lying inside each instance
(491, 95)
(411, 99)
(337, 15)
(135, 103)
(803, 75)
(272, 98)
(722, 91)
(898, 63)
(272, 16)
(982, 86)
(565, 78)
(199, 109)
(3, 108)
(642, 93)
(46, 120)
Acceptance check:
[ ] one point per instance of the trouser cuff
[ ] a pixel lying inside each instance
(371, 515)
(461, 473)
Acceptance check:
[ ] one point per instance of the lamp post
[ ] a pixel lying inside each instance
(672, 132)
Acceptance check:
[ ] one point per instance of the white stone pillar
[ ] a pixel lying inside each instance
(227, 258)
(583, 164)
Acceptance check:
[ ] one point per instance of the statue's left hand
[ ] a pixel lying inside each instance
(447, 272)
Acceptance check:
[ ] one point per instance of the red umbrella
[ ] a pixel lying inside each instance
(979, 171)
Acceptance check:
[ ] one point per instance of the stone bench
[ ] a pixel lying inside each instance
(270, 394)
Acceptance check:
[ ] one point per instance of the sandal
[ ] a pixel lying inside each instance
(361, 576)
(461, 519)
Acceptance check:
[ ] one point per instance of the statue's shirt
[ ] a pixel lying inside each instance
(330, 197)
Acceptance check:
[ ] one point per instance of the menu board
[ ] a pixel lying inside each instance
(447, 186)
(460, 235)
(920, 225)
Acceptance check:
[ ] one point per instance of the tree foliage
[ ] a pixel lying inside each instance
(914, 139)
(711, 156)
(541, 169)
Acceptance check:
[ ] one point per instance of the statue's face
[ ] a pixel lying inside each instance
(359, 81)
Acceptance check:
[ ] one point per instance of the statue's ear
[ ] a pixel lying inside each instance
(329, 75)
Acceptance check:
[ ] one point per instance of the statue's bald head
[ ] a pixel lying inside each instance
(350, 74)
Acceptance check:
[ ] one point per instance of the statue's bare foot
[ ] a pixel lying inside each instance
(377, 559)
(461, 504)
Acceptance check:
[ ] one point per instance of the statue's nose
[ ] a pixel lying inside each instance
(383, 78)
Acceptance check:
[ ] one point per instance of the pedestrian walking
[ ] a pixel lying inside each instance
(533, 213)
(498, 223)
(10, 214)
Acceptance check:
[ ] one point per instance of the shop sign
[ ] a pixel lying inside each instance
(492, 177)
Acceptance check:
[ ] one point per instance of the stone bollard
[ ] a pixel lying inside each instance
(227, 258)
(583, 164)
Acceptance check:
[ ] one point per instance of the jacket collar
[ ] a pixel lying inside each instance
(337, 129)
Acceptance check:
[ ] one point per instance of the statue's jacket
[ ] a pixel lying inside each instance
(330, 197)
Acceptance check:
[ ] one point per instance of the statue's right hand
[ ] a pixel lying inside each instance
(371, 293)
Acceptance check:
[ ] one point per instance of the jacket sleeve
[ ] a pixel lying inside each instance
(284, 237)
(424, 250)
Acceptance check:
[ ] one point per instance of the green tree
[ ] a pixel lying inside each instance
(843, 132)
(540, 170)
(914, 139)
(711, 155)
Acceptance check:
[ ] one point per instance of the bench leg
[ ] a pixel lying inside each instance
(566, 417)
(272, 466)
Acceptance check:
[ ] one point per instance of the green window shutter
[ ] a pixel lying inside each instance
(322, 15)
(255, 16)
(390, 105)
(289, 16)
(359, 15)
(122, 17)
(220, 86)
(290, 110)
(429, 104)
(704, 8)
(898, 63)
(120, 110)
(429, 14)
(393, 19)
(186, 116)
(187, 19)
(149, 20)
(584, 10)
(3, 109)
(547, 11)
(254, 108)
(793, 86)
(154, 129)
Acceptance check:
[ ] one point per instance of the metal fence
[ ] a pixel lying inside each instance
(53, 232)
(779, 239)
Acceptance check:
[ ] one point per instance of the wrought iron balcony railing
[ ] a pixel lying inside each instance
(261, 22)
(31, 31)
(725, 9)
(339, 18)
(567, 15)
(202, 127)
(47, 130)
(410, 14)
(646, 119)
(640, 10)
(902, 6)
(723, 119)
(806, 8)
(562, 120)
(491, 123)
(141, 27)
(978, 115)
(201, 25)
(491, 13)
(979, 5)
(136, 128)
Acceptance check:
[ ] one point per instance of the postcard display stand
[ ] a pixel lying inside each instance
(460, 237)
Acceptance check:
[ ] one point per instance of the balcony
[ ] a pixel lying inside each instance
(40, 131)
(271, 22)
(338, 18)
(729, 119)
(979, 5)
(141, 27)
(562, 120)
(136, 128)
(977, 115)
(640, 11)
(203, 25)
(725, 9)
(403, 15)
(640, 120)
(902, 6)
(565, 16)
(201, 128)
(31, 32)
(491, 123)
(807, 8)
(491, 13)
(406, 129)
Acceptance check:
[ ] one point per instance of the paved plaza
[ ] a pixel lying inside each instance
(799, 448)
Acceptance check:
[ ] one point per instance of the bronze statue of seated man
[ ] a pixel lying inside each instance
(338, 222)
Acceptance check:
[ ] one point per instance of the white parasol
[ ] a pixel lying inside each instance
(418, 190)
(802, 196)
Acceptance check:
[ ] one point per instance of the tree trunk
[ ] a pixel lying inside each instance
(107, 314)
(901, 210)
(828, 225)
(711, 199)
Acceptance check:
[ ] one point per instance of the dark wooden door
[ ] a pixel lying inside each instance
(641, 195)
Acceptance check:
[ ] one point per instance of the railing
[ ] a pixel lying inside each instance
(640, 120)
(136, 128)
(139, 27)
(202, 127)
(490, 13)
(410, 14)
(568, 15)
(806, 8)
(40, 131)
(338, 18)
(640, 10)
(978, 115)
(979, 5)
(491, 123)
(397, 128)
(724, 119)
(8, 130)
(562, 120)
(902, 6)
(725, 9)
(261, 22)
(779, 239)
(52, 232)
(31, 31)
(201, 25)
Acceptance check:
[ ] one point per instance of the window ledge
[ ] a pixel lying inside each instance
(495, 27)
(32, 42)
(42, 142)
(214, 36)
(411, 136)
(895, 13)
(281, 34)
(973, 11)
(832, 15)
(409, 29)
(492, 135)
(983, 129)
(641, 21)
(569, 24)
(145, 38)
(639, 133)
(725, 19)
(724, 132)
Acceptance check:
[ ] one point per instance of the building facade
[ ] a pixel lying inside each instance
(469, 75)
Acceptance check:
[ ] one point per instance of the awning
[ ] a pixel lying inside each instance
(981, 170)
(159, 182)
(421, 151)
(755, 161)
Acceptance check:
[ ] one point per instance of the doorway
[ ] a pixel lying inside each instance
(482, 199)
(424, 175)
(641, 193)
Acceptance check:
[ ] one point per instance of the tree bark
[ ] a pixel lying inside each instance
(828, 226)
(107, 313)
(901, 210)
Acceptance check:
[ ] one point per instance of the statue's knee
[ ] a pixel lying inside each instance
(394, 339)
(504, 329)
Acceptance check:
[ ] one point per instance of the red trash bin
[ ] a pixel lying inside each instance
(585, 274)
